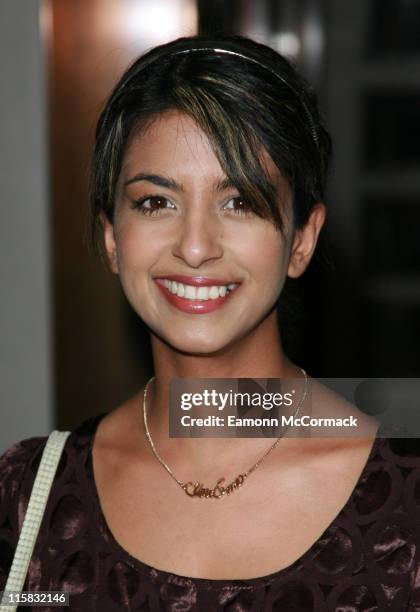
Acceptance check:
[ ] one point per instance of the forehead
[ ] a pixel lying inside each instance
(172, 143)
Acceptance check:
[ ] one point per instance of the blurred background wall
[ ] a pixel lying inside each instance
(362, 312)
(26, 362)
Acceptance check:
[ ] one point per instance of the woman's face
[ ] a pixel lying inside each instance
(196, 264)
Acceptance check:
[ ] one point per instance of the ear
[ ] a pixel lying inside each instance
(109, 242)
(304, 241)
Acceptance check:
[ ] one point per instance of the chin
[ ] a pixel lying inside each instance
(196, 344)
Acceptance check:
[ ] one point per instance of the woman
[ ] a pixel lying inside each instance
(208, 180)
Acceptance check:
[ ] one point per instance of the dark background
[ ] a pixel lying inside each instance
(362, 308)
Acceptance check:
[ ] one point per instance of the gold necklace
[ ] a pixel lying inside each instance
(196, 489)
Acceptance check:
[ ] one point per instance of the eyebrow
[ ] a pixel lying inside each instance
(224, 184)
(168, 183)
(156, 179)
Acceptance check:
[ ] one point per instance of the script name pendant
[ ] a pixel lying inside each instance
(196, 489)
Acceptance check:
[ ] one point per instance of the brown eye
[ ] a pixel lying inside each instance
(238, 206)
(153, 204)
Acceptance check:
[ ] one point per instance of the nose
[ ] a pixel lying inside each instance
(198, 239)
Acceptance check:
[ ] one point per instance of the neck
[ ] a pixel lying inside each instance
(259, 355)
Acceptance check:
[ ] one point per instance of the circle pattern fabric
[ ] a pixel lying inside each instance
(367, 560)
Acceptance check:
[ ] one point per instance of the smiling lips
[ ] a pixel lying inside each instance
(195, 294)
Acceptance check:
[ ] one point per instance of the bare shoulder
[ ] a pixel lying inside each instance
(319, 458)
(329, 449)
(344, 457)
(330, 407)
(119, 431)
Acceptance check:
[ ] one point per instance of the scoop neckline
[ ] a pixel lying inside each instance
(143, 567)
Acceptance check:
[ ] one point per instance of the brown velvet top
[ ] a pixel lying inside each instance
(367, 560)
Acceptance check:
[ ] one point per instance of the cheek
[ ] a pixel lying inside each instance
(267, 260)
(136, 248)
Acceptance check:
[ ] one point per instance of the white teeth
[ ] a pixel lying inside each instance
(203, 293)
(214, 293)
(191, 292)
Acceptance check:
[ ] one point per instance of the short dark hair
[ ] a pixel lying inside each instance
(244, 96)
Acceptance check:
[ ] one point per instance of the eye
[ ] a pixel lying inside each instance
(238, 206)
(152, 204)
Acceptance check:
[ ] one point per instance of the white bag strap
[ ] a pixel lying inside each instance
(34, 513)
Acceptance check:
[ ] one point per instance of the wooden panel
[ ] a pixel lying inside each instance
(101, 348)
